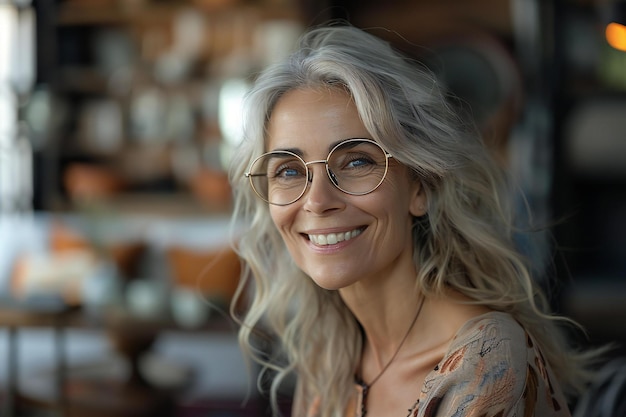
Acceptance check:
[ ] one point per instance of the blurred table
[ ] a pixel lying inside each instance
(131, 336)
(45, 313)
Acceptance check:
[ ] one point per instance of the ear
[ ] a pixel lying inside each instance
(417, 205)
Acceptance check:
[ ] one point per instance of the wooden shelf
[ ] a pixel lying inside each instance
(113, 320)
(82, 79)
(165, 205)
(104, 12)
(162, 204)
(81, 16)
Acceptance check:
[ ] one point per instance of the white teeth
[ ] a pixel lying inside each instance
(333, 238)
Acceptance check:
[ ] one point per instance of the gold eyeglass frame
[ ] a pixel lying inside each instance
(309, 174)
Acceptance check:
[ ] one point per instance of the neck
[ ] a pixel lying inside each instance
(383, 318)
(378, 361)
(367, 382)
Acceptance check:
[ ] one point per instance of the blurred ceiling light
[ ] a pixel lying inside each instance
(230, 115)
(8, 21)
(614, 16)
(616, 35)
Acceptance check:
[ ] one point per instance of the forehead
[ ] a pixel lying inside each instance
(312, 118)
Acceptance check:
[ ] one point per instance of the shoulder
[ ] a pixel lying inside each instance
(492, 346)
(494, 335)
(489, 368)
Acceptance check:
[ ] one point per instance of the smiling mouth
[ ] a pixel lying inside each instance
(334, 238)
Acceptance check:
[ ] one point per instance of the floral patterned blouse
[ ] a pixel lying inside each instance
(491, 369)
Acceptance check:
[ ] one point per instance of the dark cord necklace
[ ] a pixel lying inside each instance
(365, 387)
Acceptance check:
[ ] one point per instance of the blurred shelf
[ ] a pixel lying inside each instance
(103, 13)
(98, 15)
(115, 320)
(82, 79)
(155, 204)
(175, 204)
(113, 57)
(42, 313)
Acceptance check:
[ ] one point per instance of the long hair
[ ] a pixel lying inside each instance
(465, 242)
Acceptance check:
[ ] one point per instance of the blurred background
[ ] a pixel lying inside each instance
(117, 121)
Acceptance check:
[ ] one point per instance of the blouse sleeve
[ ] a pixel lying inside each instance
(492, 369)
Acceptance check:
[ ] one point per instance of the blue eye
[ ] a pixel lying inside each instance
(287, 172)
(358, 161)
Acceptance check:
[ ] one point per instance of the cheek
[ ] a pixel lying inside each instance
(277, 219)
(282, 217)
(398, 191)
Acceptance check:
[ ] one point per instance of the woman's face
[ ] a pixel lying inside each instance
(378, 224)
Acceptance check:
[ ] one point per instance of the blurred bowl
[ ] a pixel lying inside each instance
(211, 187)
(89, 181)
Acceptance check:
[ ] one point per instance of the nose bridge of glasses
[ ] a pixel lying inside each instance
(331, 174)
(319, 161)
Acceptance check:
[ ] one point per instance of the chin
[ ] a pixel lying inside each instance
(330, 286)
(329, 281)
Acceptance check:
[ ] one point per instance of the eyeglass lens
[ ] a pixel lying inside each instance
(354, 166)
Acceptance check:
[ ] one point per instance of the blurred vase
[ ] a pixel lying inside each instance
(146, 299)
(189, 309)
(102, 289)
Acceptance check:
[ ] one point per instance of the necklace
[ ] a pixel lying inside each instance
(365, 387)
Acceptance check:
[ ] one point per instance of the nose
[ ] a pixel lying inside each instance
(321, 195)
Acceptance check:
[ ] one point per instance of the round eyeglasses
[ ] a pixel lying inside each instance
(354, 166)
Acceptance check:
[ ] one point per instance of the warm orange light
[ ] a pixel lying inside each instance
(616, 36)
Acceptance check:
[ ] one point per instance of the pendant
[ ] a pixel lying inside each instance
(362, 390)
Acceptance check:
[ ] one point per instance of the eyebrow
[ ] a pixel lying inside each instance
(300, 153)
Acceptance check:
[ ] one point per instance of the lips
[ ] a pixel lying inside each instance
(334, 238)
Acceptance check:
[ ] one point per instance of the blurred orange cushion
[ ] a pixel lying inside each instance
(214, 273)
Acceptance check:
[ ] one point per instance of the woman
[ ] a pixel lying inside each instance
(379, 244)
